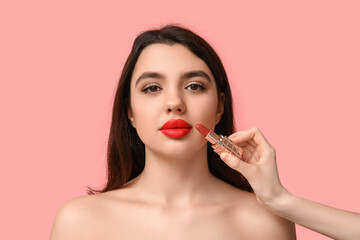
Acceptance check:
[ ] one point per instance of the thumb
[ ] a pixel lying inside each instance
(234, 162)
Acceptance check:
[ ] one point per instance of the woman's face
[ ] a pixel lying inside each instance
(169, 82)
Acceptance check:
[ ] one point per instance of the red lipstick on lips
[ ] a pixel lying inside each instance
(176, 128)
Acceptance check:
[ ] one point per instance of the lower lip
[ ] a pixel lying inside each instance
(175, 132)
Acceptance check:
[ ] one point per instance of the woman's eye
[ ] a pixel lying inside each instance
(151, 89)
(195, 87)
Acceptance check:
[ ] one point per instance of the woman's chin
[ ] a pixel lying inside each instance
(178, 151)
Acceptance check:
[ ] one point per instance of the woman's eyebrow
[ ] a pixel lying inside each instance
(145, 75)
(187, 75)
(196, 73)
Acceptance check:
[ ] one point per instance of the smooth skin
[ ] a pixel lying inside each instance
(176, 196)
(261, 171)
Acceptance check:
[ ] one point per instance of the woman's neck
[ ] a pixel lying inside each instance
(175, 180)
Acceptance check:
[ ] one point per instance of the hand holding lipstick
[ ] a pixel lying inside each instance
(251, 155)
(260, 169)
(259, 165)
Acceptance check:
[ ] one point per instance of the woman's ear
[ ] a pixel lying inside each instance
(220, 108)
(130, 113)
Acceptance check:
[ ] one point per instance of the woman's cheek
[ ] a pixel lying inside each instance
(147, 113)
(206, 112)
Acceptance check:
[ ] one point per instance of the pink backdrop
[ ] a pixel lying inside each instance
(293, 67)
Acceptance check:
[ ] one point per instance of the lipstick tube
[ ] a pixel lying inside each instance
(220, 143)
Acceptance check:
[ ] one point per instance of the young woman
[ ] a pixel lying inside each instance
(164, 180)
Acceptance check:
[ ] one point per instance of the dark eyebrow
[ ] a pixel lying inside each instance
(191, 74)
(197, 73)
(148, 75)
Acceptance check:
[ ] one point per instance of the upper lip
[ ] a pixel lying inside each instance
(176, 123)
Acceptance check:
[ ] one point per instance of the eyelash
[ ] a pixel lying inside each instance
(150, 88)
(199, 87)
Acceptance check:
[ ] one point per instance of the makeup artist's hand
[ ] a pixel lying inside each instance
(260, 168)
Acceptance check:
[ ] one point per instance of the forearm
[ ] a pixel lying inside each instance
(261, 171)
(332, 222)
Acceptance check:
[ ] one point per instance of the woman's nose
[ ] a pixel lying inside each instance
(175, 104)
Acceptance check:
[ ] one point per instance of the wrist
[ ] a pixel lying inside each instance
(279, 202)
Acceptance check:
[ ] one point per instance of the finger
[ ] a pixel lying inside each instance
(242, 137)
(249, 155)
(250, 142)
(253, 135)
(246, 154)
(249, 147)
(253, 149)
(235, 163)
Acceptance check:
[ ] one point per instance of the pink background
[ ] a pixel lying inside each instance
(293, 67)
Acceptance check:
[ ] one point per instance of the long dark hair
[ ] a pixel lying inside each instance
(125, 151)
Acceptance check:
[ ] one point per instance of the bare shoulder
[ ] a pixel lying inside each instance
(91, 216)
(259, 222)
(76, 215)
(251, 218)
